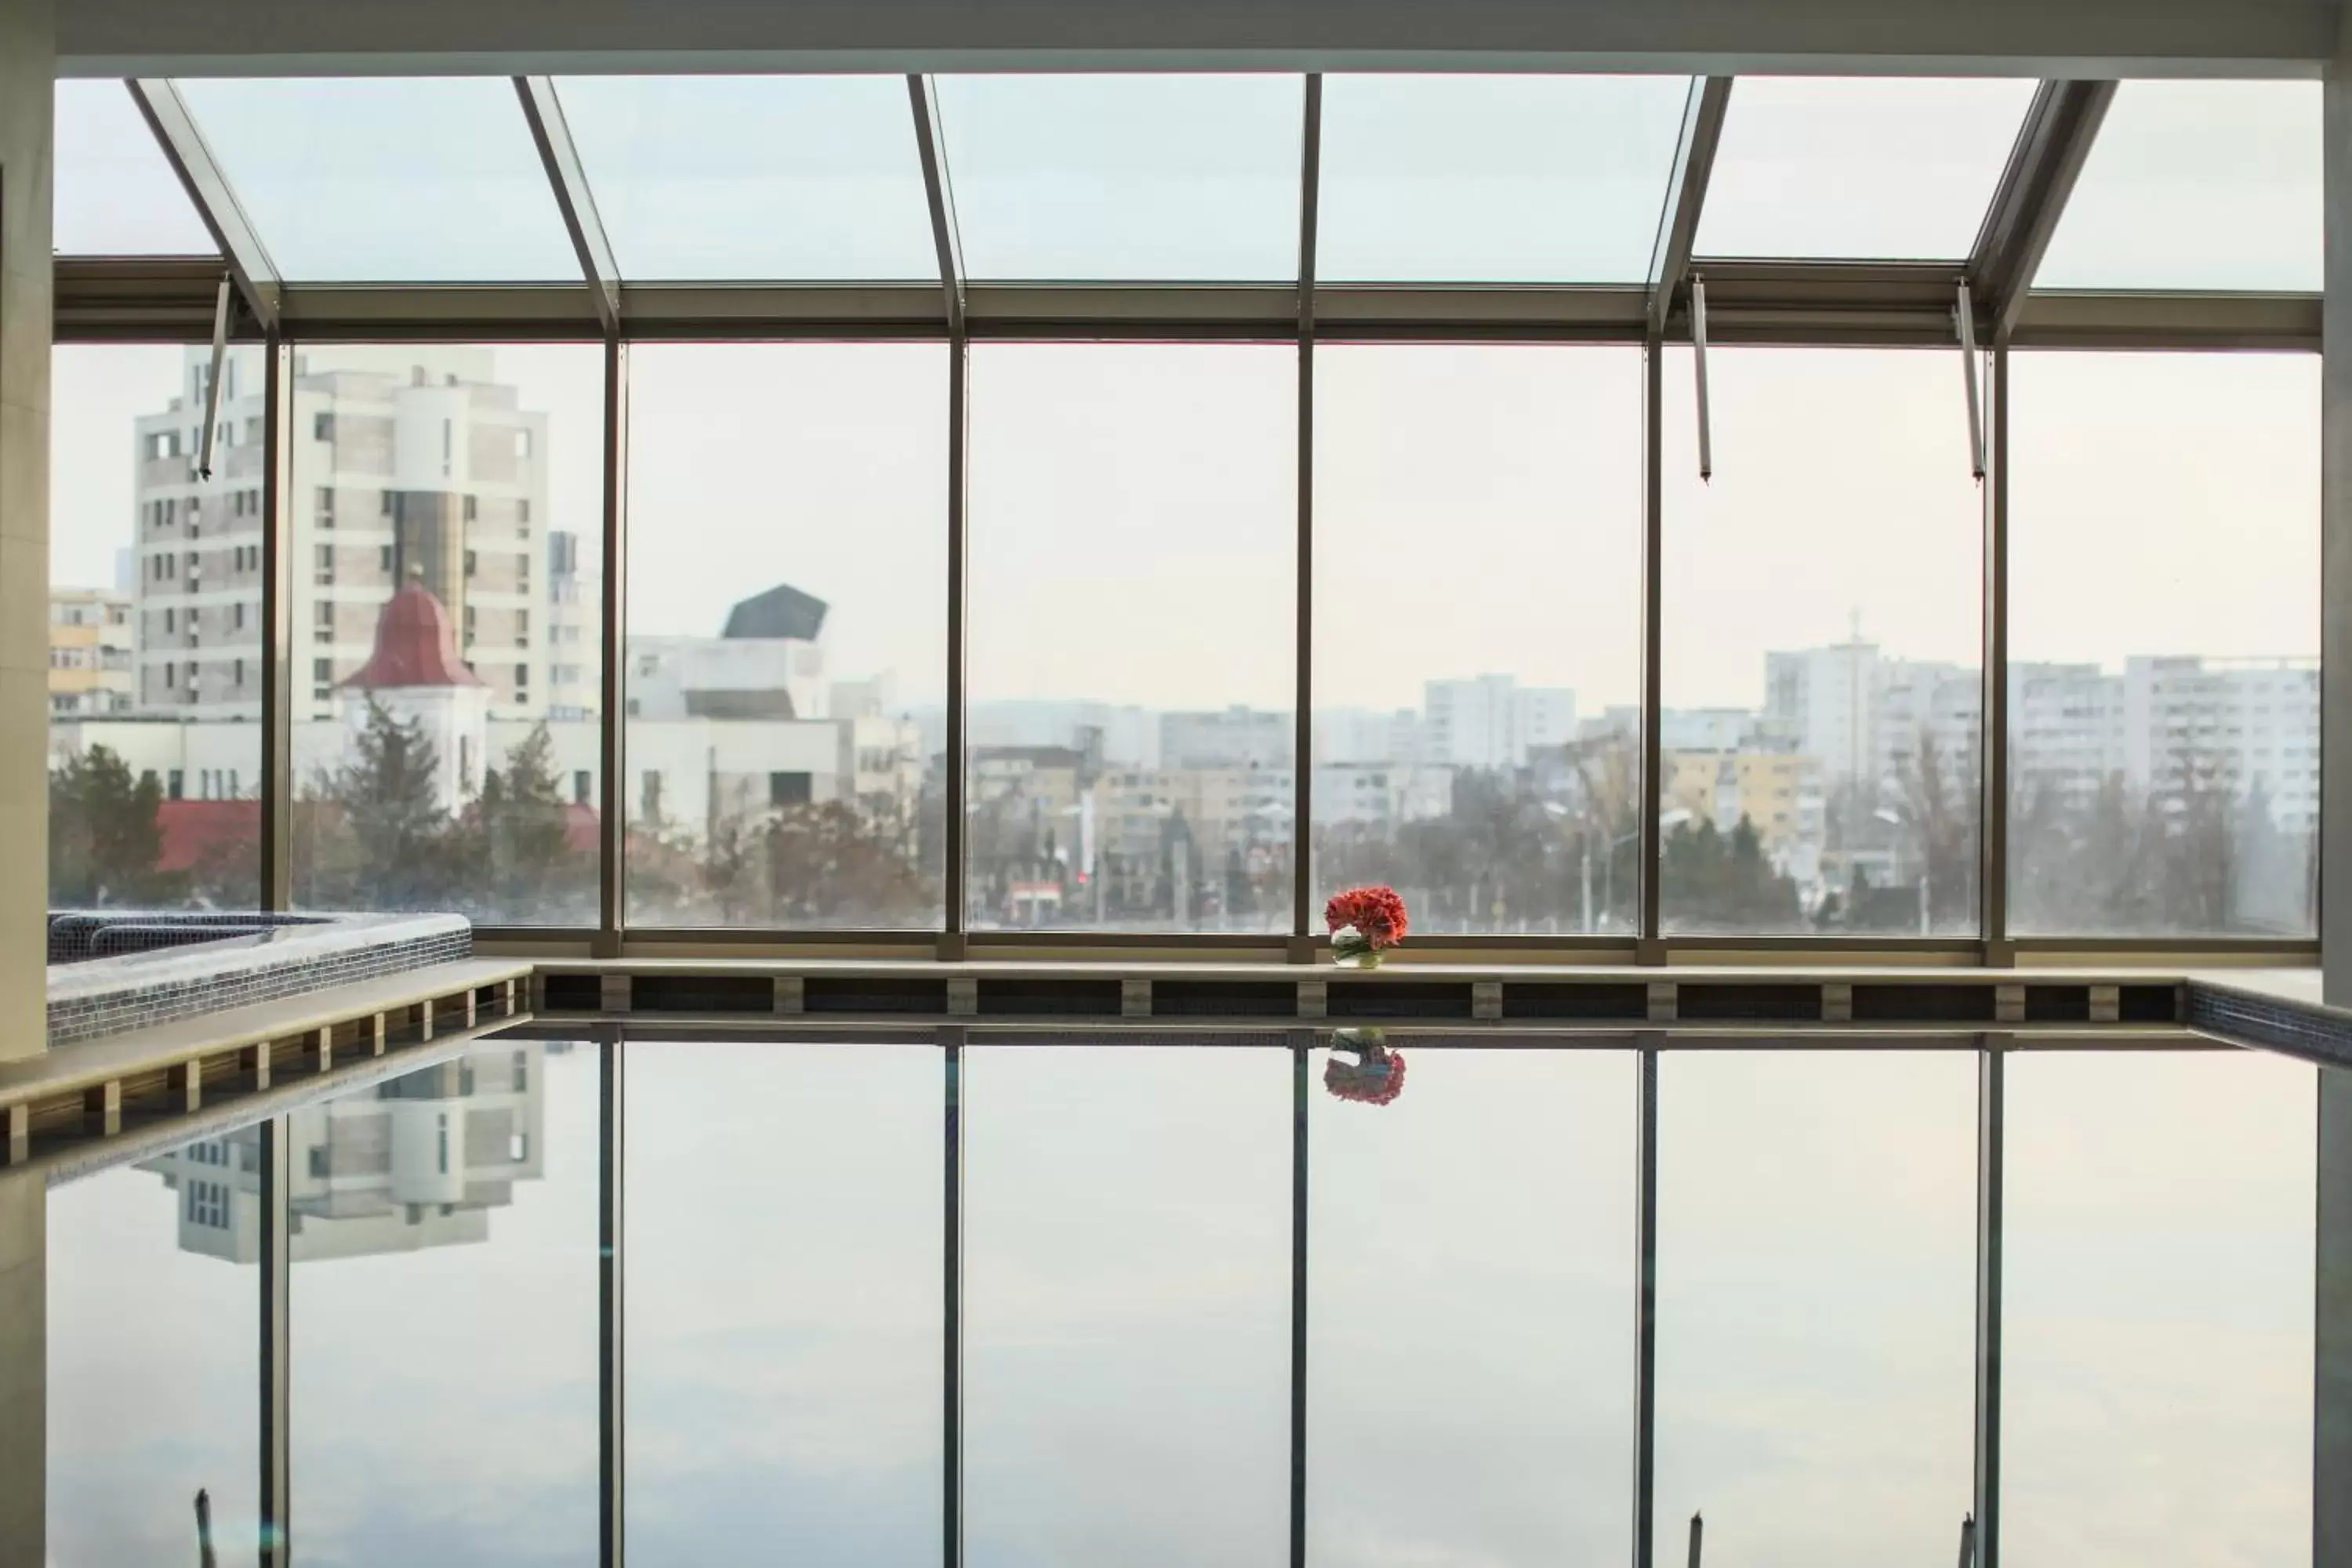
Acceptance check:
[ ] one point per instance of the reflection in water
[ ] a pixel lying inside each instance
(2157, 1335)
(444, 1364)
(1127, 1329)
(153, 1371)
(1471, 1315)
(1127, 1268)
(785, 1234)
(413, 1162)
(1816, 1303)
(1376, 1076)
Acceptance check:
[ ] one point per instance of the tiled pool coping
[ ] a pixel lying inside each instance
(104, 996)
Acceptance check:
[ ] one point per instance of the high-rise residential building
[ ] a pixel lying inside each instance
(1229, 738)
(93, 653)
(1870, 719)
(1492, 721)
(412, 464)
(575, 597)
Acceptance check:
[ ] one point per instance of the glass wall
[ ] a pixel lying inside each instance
(154, 629)
(786, 718)
(1478, 707)
(2157, 1322)
(444, 1236)
(1822, 627)
(154, 1312)
(1127, 1304)
(2164, 644)
(1816, 1304)
(1132, 625)
(445, 536)
(784, 1223)
(1469, 1320)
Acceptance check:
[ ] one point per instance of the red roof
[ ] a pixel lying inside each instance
(197, 831)
(415, 646)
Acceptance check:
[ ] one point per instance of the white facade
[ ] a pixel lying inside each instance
(419, 1164)
(404, 457)
(1228, 737)
(1491, 721)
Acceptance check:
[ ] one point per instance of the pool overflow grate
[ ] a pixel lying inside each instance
(1053, 998)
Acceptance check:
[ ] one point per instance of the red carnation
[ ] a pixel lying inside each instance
(1376, 913)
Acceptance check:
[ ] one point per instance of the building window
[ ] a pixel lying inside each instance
(522, 511)
(788, 789)
(580, 786)
(236, 667)
(237, 612)
(323, 427)
(470, 509)
(473, 562)
(384, 557)
(441, 1130)
(175, 784)
(649, 796)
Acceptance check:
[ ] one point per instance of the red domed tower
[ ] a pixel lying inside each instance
(415, 672)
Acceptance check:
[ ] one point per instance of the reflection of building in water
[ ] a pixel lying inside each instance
(418, 1160)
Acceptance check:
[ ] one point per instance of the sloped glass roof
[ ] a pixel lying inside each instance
(2194, 185)
(801, 178)
(388, 180)
(1893, 169)
(116, 193)
(1125, 178)
(1495, 179)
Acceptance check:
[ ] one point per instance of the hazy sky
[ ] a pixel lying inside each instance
(1132, 507)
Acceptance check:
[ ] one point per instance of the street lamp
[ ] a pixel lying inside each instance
(1667, 820)
(1896, 818)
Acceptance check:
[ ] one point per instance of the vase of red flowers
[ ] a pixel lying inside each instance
(1364, 924)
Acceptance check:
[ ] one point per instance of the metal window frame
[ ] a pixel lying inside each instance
(1784, 303)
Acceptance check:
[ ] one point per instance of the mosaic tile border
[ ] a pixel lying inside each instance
(2242, 1017)
(105, 996)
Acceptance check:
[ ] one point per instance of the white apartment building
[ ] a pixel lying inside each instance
(409, 463)
(1229, 738)
(419, 1163)
(1491, 721)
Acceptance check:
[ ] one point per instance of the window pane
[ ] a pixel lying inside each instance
(115, 194)
(784, 1340)
(447, 529)
(1125, 178)
(1507, 179)
(2157, 1321)
(2196, 184)
(153, 1334)
(445, 1241)
(1823, 617)
(785, 711)
(1134, 557)
(1476, 728)
(388, 179)
(154, 630)
(1469, 1320)
(1127, 1334)
(2164, 643)
(754, 176)
(1894, 169)
(1816, 1303)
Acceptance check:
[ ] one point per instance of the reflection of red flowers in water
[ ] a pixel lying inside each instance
(1377, 913)
(1377, 1079)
